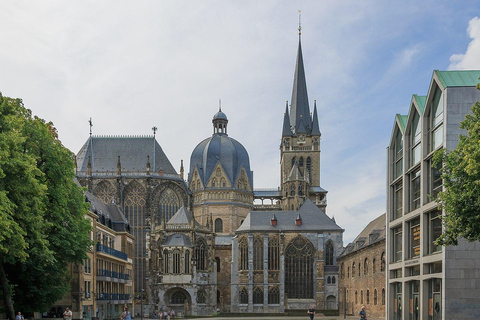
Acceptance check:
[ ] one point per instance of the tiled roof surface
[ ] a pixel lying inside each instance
(458, 78)
(372, 233)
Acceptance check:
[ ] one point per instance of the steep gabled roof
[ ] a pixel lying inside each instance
(458, 78)
(299, 109)
(374, 232)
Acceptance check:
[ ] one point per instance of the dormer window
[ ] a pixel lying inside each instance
(273, 221)
(298, 220)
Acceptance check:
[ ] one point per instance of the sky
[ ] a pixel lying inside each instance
(133, 65)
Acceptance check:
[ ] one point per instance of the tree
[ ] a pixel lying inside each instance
(42, 211)
(461, 180)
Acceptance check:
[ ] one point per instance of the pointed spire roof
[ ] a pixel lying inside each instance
(287, 131)
(299, 105)
(315, 126)
(295, 174)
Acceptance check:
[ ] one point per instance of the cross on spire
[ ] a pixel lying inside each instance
(91, 125)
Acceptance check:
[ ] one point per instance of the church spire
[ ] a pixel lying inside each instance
(287, 131)
(299, 109)
(315, 126)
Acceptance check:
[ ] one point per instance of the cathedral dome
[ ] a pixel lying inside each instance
(223, 150)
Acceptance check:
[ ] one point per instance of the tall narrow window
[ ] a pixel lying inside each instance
(200, 254)
(397, 244)
(217, 260)
(398, 156)
(299, 260)
(415, 138)
(329, 254)
(176, 261)
(365, 266)
(309, 169)
(273, 254)
(436, 120)
(273, 295)
(398, 200)
(168, 205)
(434, 180)
(244, 295)
(434, 230)
(243, 251)
(414, 238)
(300, 162)
(201, 296)
(258, 253)
(382, 262)
(375, 297)
(415, 190)
(187, 262)
(257, 295)
(218, 225)
(166, 268)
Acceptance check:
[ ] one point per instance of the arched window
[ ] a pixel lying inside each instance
(198, 185)
(176, 261)
(353, 270)
(368, 296)
(359, 268)
(273, 295)
(382, 262)
(219, 297)
(218, 225)
(258, 253)
(168, 205)
(243, 295)
(375, 297)
(329, 280)
(361, 296)
(201, 254)
(374, 267)
(201, 297)
(365, 266)
(217, 260)
(178, 297)
(299, 259)
(300, 190)
(243, 250)
(187, 262)
(309, 168)
(218, 172)
(292, 190)
(214, 182)
(356, 297)
(333, 280)
(329, 253)
(273, 254)
(223, 182)
(383, 297)
(300, 162)
(348, 272)
(166, 268)
(257, 295)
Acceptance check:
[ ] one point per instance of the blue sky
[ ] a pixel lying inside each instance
(134, 65)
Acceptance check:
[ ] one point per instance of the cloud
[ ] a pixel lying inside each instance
(471, 58)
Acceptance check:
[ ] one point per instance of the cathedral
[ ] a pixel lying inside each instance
(204, 243)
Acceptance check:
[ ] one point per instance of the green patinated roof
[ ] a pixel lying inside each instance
(402, 121)
(420, 101)
(458, 78)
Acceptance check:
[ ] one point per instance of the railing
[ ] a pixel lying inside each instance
(130, 174)
(113, 296)
(118, 254)
(112, 274)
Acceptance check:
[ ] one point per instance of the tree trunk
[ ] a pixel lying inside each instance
(7, 294)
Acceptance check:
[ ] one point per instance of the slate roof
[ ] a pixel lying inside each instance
(374, 232)
(182, 218)
(458, 78)
(133, 152)
(220, 148)
(313, 220)
(177, 240)
(109, 215)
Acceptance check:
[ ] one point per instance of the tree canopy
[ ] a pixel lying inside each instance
(461, 180)
(42, 211)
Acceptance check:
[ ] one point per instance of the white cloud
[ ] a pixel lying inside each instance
(471, 58)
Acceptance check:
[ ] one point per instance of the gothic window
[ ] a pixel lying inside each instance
(258, 253)
(375, 297)
(368, 297)
(292, 190)
(374, 267)
(217, 260)
(198, 185)
(214, 182)
(365, 267)
(223, 182)
(333, 280)
(273, 295)
(294, 159)
(218, 225)
(356, 297)
(134, 209)
(382, 262)
(348, 272)
(300, 162)
(383, 297)
(201, 298)
(353, 269)
(178, 297)
(243, 249)
(176, 261)
(105, 191)
(257, 295)
(329, 280)
(165, 262)
(359, 268)
(218, 172)
(300, 191)
(187, 262)
(329, 254)
(309, 168)
(168, 205)
(361, 296)
(273, 254)
(201, 254)
(244, 295)
(299, 259)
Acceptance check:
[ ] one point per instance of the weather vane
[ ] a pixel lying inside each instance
(154, 129)
(219, 104)
(299, 22)
(91, 125)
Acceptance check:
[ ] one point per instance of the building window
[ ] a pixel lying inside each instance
(309, 169)
(258, 253)
(292, 190)
(176, 261)
(244, 295)
(300, 163)
(415, 138)
(342, 271)
(414, 237)
(201, 254)
(329, 280)
(333, 280)
(375, 297)
(218, 225)
(382, 262)
(356, 297)
(353, 270)
(361, 296)
(273, 254)
(435, 292)
(434, 230)
(187, 262)
(300, 190)
(359, 268)
(299, 258)
(397, 244)
(178, 297)
(374, 266)
(397, 200)
(243, 250)
(398, 155)
(273, 295)
(217, 260)
(166, 268)
(201, 298)
(436, 121)
(368, 296)
(257, 295)
(434, 180)
(383, 297)
(365, 267)
(294, 159)
(87, 266)
(415, 190)
(329, 254)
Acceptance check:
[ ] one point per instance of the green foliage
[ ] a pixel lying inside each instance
(42, 210)
(461, 179)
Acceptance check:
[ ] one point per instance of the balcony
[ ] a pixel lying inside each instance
(115, 253)
(113, 298)
(112, 276)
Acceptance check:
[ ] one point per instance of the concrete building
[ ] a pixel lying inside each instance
(426, 281)
(362, 272)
